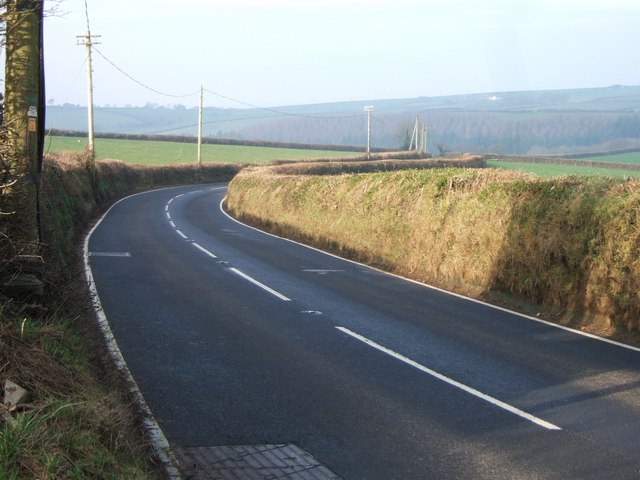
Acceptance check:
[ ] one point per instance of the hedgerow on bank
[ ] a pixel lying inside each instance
(569, 243)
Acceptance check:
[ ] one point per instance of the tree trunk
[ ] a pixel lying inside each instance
(24, 124)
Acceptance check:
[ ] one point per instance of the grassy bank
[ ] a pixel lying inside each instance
(568, 243)
(81, 422)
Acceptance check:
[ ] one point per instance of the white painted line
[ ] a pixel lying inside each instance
(259, 284)
(168, 215)
(461, 386)
(109, 254)
(157, 437)
(179, 232)
(321, 271)
(166, 208)
(204, 250)
(173, 225)
(431, 287)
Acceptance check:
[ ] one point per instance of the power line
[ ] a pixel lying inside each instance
(226, 97)
(379, 120)
(142, 84)
(280, 112)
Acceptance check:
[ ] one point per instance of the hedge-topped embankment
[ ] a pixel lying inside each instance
(569, 243)
(79, 422)
(71, 196)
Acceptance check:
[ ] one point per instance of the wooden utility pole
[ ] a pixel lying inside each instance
(368, 109)
(419, 137)
(424, 138)
(414, 134)
(200, 127)
(88, 41)
(24, 122)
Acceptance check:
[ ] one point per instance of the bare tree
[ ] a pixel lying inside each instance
(52, 10)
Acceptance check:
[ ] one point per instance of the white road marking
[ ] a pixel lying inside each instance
(179, 232)
(173, 225)
(157, 437)
(109, 254)
(168, 215)
(450, 381)
(320, 271)
(204, 250)
(259, 284)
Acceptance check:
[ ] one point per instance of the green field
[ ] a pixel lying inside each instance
(163, 153)
(632, 158)
(552, 170)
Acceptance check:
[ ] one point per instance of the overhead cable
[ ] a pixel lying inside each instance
(280, 112)
(142, 84)
(241, 102)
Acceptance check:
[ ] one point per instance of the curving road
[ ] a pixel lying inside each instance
(236, 337)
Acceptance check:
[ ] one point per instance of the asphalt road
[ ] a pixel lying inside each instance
(236, 337)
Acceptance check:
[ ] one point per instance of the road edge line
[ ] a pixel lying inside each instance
(158, 440)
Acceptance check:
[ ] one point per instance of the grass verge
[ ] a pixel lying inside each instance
(76, 426)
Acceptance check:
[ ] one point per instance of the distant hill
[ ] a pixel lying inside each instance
(533, 122)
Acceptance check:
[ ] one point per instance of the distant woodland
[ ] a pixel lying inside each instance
(531, 133)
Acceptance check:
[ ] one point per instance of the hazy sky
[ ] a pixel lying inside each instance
(285, 52)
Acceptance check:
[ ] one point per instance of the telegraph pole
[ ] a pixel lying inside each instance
(424, 138)
(88, 41)
(419, 135)
(368, 109)
(414, 135)
(200, 127)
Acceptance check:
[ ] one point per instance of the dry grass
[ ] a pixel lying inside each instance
(572, 243)
(75, 426)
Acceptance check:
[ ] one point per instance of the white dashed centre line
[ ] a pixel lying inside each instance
(204, 250)
(259, 284)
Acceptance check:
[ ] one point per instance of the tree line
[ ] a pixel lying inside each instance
(522, 133)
